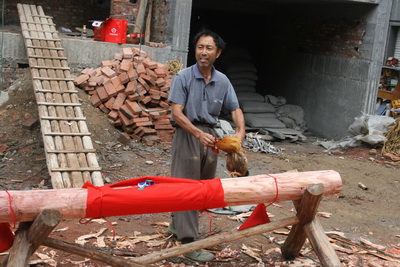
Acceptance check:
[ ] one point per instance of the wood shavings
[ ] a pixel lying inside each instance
(370, 244)
(252, 252)
(84, 238)
(392, 141)
(174, 66)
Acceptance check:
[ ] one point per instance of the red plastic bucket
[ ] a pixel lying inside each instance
(115, 30)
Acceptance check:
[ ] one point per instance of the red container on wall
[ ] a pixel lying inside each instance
(115, 30)
(111, 30)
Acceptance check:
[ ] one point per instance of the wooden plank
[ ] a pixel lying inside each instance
(66, 134)
(44, 47)
(31, 22)
(72, 151)
(76, 169)
(47, 57)
(56, 92)
(58, 104)
(47, 67)
(44, 39)
(63, 118)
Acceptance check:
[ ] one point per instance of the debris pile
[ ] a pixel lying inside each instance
(133, 91)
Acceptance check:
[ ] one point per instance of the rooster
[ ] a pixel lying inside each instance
(236, 161)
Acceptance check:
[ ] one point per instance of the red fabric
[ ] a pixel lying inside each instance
(166, 195)
(257, 217)
(6, 237)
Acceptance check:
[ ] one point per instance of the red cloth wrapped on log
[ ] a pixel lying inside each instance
(164, 194)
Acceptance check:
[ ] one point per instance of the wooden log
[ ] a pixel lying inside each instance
(216, 239)
(89, 253)
(30, 236)
(306, 211)
(71, 202)
(321, 245)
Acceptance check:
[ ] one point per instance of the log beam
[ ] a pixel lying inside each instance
(71, 202)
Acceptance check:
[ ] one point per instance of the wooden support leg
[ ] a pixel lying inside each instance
(306, 211)
(29, 237)
(321, 245)
(90, 253)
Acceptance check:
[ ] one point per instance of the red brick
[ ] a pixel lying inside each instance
(137, 51)
(160, 72)
(95, 100)
(119, 101)
(138, 59)
(143, 83)
(110, 89)
(119, 87)
(107, 71)
(109, 104)
(134, 107)
(144, 123)
(123, 77)
(30, 123)
(150, 64)
(132, 74)
(163, 127)
(102, 93)
(135, 137)
(125, 64)
(164, 88)
(140, 69)
(117, 122)
(104, 109)
(164, 94)
(161, 121)
(156, 97)
(133, 97)
(146, 100)
(81, 79)
(128, 129)
(130, 88)
(148, 79)
(164, 104)
(3, 148)
(85, 71)
(106, 63)
(124, 138)
(127, 112)
(125, 121)
(141, 119)
(118, 56)
(160, 82)
(127, 52)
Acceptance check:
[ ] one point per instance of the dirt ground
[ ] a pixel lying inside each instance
(371, 214)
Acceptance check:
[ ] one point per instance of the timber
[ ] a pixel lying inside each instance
(29, 237)
(71, 202)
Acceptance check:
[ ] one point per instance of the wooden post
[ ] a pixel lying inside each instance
(29, 237)
(214, 240)
(306, 211)
(140, 16)
(90, 253)
(321, 245)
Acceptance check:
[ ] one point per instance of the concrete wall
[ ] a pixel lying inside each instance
(80, 53)
(333, 76)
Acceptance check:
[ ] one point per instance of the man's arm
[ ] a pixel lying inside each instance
(183, 121)
(238, 119)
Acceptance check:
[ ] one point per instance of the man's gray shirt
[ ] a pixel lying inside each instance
(189, 87)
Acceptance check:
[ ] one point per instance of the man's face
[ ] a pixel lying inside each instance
(206, 51)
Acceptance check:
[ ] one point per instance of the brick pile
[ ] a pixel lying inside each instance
(133, 91)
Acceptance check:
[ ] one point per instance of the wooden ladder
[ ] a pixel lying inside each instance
(71, 158)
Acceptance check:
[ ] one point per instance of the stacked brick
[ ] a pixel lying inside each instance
(133, 91)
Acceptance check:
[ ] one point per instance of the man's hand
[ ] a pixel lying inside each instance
(206, 139)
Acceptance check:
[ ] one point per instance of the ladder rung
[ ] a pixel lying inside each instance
(42, 16)
(68, 134)
(32, 22)
(52, 68)
(43, 39)
(58, 104)
(46, 57)
(81, 169)
(72, 151)
(44, 47)
(55, 92)
(53, 79)
(63, 118)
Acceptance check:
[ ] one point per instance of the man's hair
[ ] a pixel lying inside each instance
(217, 39)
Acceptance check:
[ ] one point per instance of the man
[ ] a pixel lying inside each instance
(198, 94)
